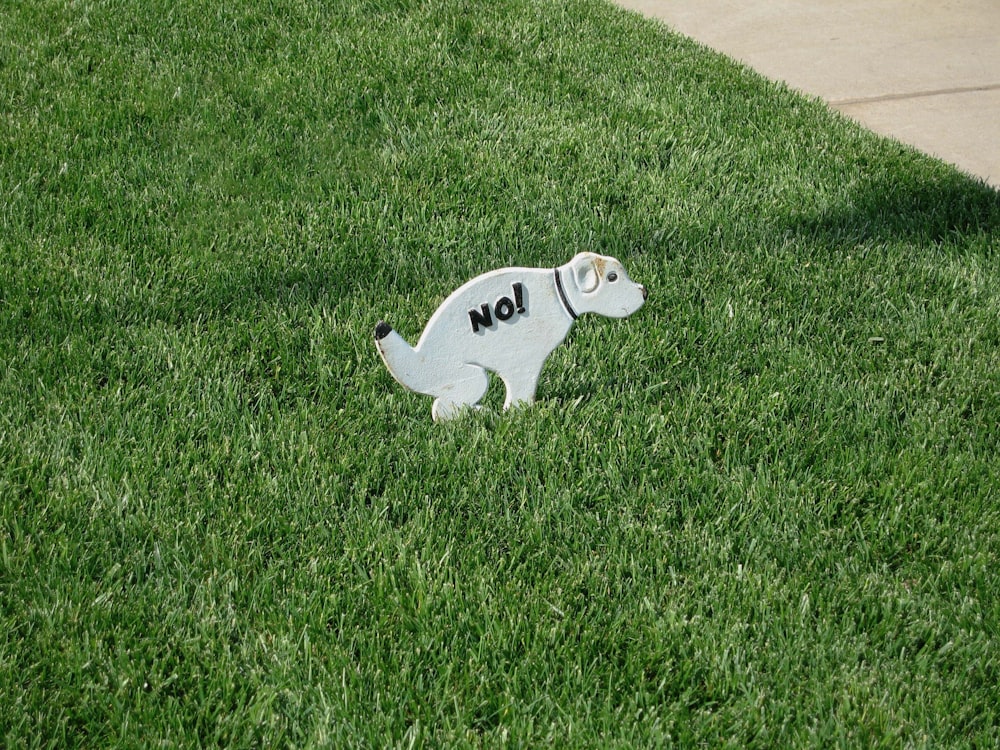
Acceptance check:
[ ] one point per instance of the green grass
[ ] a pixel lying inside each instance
(764, 511)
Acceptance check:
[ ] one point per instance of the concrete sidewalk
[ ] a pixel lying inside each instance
(926, 73)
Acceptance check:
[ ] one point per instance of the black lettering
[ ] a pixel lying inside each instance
(481, 319)
(518, 296)
(504, 308)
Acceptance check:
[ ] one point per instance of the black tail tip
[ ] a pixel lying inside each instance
(382, 330)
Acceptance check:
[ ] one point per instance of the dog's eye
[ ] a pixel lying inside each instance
(612, 276)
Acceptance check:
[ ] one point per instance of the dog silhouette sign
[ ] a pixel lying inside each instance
(507, 322)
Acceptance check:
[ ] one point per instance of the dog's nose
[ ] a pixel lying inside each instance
(645, 293)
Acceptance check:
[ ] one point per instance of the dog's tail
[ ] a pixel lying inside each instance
(404, 363)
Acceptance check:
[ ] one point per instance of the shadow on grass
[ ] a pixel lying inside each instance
(949, 208)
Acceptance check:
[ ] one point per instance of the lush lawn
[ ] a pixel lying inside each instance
(764, 511)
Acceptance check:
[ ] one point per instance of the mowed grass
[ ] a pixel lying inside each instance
(764, 511)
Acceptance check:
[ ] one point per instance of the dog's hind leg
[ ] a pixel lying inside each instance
(468, 386)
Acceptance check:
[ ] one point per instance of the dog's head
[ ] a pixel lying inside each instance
(601, 285)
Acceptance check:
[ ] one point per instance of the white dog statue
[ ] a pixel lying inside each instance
(506, 321)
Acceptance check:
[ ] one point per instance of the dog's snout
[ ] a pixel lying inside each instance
(645, 292)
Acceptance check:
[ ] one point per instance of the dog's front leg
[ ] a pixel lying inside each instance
(521, 386)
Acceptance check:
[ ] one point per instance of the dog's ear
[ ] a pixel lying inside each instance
(585, 272)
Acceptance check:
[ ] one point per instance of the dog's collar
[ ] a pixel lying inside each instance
(562, 295)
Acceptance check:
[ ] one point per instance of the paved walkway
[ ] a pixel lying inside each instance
(926, 72)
